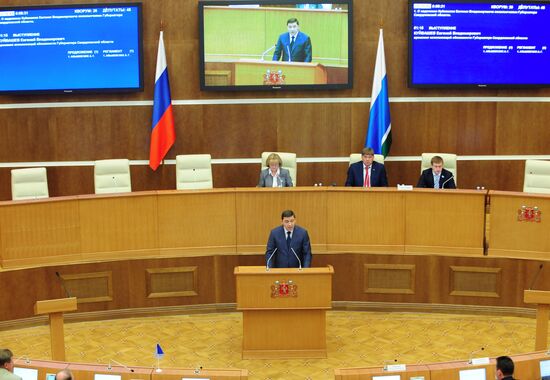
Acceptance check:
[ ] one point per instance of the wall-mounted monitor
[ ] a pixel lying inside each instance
(473, 374)
(545, 369)
(71, 48)
(26, 373)
(275, 44)
(470, 43)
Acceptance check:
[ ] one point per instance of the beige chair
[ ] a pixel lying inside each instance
(537, 177)
(31, 183)
(289, 163)
(112, 176)
(449, 163)
(356, 157)
(194, 171)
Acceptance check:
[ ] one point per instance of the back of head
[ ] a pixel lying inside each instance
(64, 375)
(5, 356)
(506, 365)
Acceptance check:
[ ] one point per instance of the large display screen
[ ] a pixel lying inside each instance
(71, 48)
(277, 44)
(479, 43)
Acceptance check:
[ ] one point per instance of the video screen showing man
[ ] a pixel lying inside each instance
(293, 46)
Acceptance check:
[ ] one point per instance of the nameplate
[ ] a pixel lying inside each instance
(396, 367)
(481, 361)
(405, 187)
(416, 378)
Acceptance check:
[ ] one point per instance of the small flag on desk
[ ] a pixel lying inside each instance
(379, 132)
(163, 135)
(158, 352)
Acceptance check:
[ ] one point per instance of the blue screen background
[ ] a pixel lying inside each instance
(456, 62)
(28, 68)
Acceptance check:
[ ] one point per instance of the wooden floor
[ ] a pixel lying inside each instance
(355, 339)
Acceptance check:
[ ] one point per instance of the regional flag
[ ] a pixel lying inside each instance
(162, 134)
(379, 132)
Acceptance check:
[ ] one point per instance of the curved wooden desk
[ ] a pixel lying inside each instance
(129, 253)
(526, 367)
(88, 371)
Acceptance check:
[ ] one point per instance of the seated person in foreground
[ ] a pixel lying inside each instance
(436, 177)
(274, 175)
(367, 172)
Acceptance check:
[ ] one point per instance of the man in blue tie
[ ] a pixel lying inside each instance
(436, 177)
(293, 46)
(288, 245)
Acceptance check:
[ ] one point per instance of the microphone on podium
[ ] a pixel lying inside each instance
(299, 261)
(267, 51)
(269, 259)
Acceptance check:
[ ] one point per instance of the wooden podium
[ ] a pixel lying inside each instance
(284, 311)
(55, 308)
(542, 299)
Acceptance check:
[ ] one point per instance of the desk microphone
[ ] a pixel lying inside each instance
(536, 276)
(387, 362)
(267, 264)
(110, 367)
(447, 180)
(62, 281)
(27, 360)
(473, 353)
(299, 261)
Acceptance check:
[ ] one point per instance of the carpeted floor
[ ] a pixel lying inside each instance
(354, 339)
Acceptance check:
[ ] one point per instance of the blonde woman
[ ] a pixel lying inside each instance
(274, 175)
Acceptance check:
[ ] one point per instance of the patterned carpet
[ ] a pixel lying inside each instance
(355, 339)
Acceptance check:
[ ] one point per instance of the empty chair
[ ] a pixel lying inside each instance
(356, 157)
(194, 171)
(30, 183)
(112, 176)
(289, 163)
(537, 177)
(449, 163)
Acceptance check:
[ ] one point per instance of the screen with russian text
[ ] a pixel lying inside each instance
(71, 48)
(479, 44)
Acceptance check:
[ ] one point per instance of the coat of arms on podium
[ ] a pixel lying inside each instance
(529, 214)
(284, 289)
(274, 78)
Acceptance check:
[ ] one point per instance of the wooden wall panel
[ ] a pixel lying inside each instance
(240, 131)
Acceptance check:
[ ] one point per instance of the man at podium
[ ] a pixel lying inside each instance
(288, 245)
(294, 46)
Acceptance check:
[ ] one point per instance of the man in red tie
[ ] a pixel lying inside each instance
(367, 172)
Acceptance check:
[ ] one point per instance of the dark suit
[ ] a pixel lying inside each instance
(378, 176)
(300, 52)
(284, 257)
(427, 179)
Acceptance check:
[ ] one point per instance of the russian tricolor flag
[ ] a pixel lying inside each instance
(162, 134)
(379, 133)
